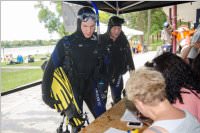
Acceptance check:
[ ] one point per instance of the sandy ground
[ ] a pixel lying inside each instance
(25, 112)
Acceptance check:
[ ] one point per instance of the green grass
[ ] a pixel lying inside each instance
(12, 78)
(40, 56)
(156, 44)
(36, 63)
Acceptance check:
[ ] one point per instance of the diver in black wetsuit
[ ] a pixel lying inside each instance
(117, 57)
(78, 55)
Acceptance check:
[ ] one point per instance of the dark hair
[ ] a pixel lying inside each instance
(177, 75)
(196, 65)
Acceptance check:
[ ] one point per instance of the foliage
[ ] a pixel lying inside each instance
(158, 17)
(156, 44)
(139, 20)
(136, 20)
(104, 17)
(16, 43)
(52, 21)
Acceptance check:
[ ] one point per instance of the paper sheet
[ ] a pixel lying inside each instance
(129, 116)
(114, 130)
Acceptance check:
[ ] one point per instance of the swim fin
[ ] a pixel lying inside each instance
(62, 91)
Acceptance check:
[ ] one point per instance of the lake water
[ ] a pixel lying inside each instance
(25, 51)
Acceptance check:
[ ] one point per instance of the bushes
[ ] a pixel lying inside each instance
(14, 44)
(156, 44)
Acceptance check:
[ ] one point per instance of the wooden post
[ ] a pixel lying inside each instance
(174, 24)
(170, 16)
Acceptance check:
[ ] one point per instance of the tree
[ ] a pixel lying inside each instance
(138, 20)
(104, 17)
(52, 21)
(158, 17)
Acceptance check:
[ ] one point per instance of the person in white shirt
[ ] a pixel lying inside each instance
(146, 89)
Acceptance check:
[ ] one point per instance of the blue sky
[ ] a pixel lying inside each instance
(19, 21)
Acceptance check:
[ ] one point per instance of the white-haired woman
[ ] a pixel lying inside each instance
(149, 97)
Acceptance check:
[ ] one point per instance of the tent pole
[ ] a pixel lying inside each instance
(109, 5)
(117, 7)
(137, 3)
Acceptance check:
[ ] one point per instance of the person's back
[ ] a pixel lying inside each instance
(183, 85)
(191, 103)
(150, 99)
(188, 124)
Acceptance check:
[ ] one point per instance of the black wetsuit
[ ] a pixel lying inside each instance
(117, 61)
(78, 57)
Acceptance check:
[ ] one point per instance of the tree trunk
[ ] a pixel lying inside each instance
(148, 27)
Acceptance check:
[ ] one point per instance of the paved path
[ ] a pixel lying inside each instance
(25, 112)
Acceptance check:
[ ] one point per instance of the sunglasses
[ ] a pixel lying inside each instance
(86, 16)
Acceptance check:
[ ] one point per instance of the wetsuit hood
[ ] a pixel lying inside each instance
(84, 14)
(115, 21)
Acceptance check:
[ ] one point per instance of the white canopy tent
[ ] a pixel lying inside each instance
(69, 16)
(127, 31)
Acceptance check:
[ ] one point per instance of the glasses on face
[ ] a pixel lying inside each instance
(86, 16)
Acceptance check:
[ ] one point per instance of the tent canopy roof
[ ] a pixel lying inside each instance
(121, 7)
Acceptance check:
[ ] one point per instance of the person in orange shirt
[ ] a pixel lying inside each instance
(139, 47)
(188, 52)
(183, 35)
